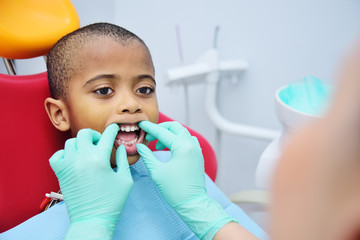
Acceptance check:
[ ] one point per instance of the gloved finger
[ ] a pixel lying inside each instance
(150, 138)
(70, 145)
(166, 137)
(175, 127)
(196, 141)
(56, 160)
(108, 137)
(122, 163)
(120, 156)
(150, 161)
(159, 146)
(86, 138)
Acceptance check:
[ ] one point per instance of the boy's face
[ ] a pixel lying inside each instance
(113, 83)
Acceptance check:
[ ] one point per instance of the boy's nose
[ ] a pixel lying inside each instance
(128, 104)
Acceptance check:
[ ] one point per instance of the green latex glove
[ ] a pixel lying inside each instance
(93, 192)
(181, 180)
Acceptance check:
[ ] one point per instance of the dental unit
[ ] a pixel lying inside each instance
(295, 104)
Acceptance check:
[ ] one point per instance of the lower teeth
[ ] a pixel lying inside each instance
(129, 143)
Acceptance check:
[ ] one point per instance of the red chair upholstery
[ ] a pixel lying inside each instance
(28, 140)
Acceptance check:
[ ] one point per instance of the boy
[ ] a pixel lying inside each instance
(102, 80)
(93, 85)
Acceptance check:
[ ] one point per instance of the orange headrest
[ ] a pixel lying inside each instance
(29, 28)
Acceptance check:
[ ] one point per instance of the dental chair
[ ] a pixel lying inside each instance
(28, 138)
(28, 29)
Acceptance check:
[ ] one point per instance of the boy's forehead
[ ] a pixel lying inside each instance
(104, 41)
(99, 46)
(99, 50)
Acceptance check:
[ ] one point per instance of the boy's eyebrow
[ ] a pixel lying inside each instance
(147, 76)
(101, 76)
(113, 76)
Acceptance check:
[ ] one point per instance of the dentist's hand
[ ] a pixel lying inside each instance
(93, 192)
(181, 181)
(183, 177)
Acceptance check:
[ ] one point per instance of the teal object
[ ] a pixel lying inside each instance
(94, 193)
(310, 96)
(181, 180)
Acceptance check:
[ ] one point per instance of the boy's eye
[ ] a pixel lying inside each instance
(104, 91)
(145, 90)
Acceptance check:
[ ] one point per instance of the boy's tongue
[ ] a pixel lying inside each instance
(127, 139)
(126, 136)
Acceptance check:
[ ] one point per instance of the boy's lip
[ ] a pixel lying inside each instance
(135, 135)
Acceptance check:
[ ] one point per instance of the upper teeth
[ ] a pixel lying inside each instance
(129, 128)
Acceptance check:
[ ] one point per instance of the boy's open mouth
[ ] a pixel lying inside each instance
(129, 135)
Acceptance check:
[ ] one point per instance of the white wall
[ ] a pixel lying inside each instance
(283, 41)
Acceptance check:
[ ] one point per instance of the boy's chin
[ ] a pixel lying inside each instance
(132, 155)
(131, 159)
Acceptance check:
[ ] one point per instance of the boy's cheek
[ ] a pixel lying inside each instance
(146, 142)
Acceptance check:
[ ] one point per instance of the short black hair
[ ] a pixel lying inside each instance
(59, 60)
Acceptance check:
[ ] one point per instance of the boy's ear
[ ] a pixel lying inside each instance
(58, 113)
